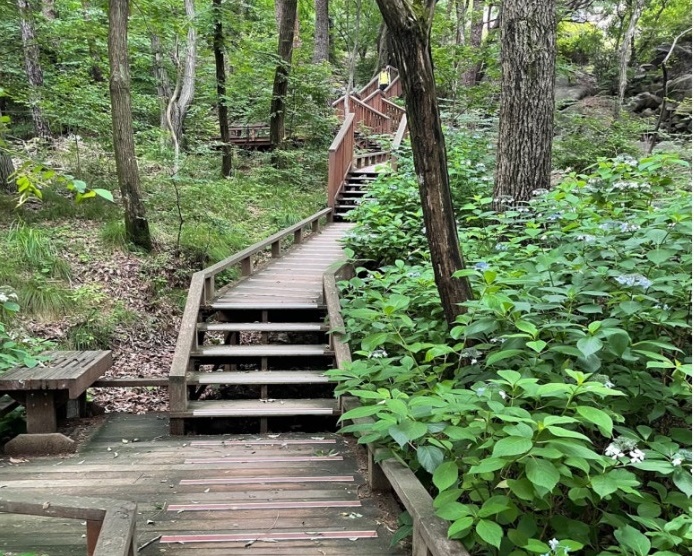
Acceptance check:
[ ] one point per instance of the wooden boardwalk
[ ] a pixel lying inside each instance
(300, 494)
(296, 278)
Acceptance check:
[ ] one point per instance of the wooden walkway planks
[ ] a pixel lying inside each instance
(296, 277)
(293, 494)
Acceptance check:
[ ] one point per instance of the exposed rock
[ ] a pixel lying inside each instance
(644, 100)
(679, 88)
(46, 444)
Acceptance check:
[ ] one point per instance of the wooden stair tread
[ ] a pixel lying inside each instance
(263, 327)
(230, 306)
(259, 377)
(262, 408)
(262, 350)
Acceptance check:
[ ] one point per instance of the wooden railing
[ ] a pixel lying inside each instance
(368, 117)
(202, 291)
(394, 89)
(110, 523)
(429, 537)
(340, 157)
(249, 133)
(369, 159)
(394, 112)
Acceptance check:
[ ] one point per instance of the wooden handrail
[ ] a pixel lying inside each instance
(110, 523)
(340, 156)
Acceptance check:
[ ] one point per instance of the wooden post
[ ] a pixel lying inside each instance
(40, 408)
(246, 267)
(377, 480)
(315, 225)
(276, 250)
(298, 236)
(419, 545)
(93, 530)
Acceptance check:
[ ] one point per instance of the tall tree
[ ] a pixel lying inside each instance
(471, 74)
(220, 72)
(136, 225)
(184, 91)
(321, 41)
(410, 28)
(287, 12)
(524, 156)
(33, 69)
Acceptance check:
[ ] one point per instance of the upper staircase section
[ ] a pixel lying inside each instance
(368, 112)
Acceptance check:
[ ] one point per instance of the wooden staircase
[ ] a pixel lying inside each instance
(253, 354)
(353, 191)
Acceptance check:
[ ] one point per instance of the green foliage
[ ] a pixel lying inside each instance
(31, 248)
(580, 140)
(15, 351)
(556, 416)
(578, 43)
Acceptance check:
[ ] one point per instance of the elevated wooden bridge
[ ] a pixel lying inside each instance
(259, 330)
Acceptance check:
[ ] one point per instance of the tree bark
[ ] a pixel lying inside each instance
(460, 21)
(220, 73)
(353, 55)
(33, 69)
(524, 160)
(625, 52)
(321, 45)
(136, 225)
(410, 35)
(185, 87)
(48, 9)
(470, 75)
(385, 50)
(95, 70)
(6, 170)
(280, 85)
(161, 78)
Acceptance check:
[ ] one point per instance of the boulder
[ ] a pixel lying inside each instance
(45, 444)
(680, 87)
(644, 100)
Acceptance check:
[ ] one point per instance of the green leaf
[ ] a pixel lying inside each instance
(633, 540)
(363, 411)
(683, 480)
(406, 431)
(522, 488)
(457, 529)
(566, 433)
(104, 194)
(489, 532)
(527, 327)
(494, 505)
(372, 341)
(446, 475)
(488, 465)
(589, 345)
(512, 446)
(452, 511)
(537, 346)
(597, 417)
(659, 256)
(542, 473)
(429, 457)
(502, 355)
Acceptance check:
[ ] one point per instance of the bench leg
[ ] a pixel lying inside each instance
(40, 408)
(77, 407)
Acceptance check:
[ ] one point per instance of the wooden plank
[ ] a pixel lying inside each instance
(257, 408)
(263, 350)
(221, 306)
(263, 327)
(268, 480)
(265, 505)
(259, 377)
(274, 536)
(131, 382)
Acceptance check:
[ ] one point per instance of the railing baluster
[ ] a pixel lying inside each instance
(246, 266)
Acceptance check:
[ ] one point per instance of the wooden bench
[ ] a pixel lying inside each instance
(64, 377)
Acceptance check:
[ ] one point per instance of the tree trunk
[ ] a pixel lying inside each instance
(161, 78)
(385, 49)
(136, 225)
(625, 52)
(353, 54)
(279, 88)
(185, 86)
(49, 10)
(524, 160)
(460, 21)
(6, 170)
(220, 72)
(321, 45)
(410, 35)
(470, 75)
(33, 68)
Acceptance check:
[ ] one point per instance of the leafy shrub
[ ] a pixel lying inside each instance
(581, 139)
(578, 43)
(556, 416)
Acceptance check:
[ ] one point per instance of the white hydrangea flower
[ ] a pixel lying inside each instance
(554, 544)
(677, 460)
(614, 451)
(637, 456)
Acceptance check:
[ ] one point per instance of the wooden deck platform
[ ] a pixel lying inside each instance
(300, 494)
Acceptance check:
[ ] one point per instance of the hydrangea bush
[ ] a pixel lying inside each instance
(555, 416)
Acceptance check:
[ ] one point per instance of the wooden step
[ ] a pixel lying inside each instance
(349, 198)
(262, 327)
(260, 408)
(260, 377)
(262, 350)
(232, 306)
